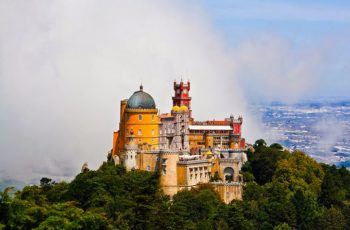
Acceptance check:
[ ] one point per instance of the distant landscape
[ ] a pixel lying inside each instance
(319, 127)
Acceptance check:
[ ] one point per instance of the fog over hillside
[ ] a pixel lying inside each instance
(65, 66)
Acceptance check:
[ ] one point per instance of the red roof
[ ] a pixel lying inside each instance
(213, 122)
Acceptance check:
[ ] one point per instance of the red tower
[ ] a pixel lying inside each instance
(182, 95)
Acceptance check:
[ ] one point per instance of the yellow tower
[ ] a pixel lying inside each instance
(138, 119)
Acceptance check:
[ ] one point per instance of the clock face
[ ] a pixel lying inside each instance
(178, 91)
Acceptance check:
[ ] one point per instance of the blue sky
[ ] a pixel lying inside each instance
(305, 25)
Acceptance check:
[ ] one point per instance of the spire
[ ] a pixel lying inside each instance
(141, 87)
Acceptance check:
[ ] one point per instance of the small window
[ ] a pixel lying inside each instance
(152, 117)
(140, 140)
(140, 117)
(140, 132)
(148, 168)
(152, 139)
(130, 156)
(152, 132)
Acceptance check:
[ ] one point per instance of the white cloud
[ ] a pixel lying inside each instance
(271, 69)
(65, 66)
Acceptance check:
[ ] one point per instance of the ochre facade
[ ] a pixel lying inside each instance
(186, 152)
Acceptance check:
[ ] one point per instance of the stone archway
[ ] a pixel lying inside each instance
(229, 174)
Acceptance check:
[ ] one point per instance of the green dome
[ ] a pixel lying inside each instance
(141, 100)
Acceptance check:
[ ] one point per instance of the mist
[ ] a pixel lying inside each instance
(330, 132)
(65, 66)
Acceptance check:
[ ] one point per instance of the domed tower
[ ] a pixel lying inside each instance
(138, 120)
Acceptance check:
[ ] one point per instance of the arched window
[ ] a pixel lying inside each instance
(140, 117)
(228, 173)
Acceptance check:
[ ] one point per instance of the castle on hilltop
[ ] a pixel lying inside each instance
(186, 152)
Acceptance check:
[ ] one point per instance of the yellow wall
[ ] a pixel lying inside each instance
(181, 175)
(129, 120)
(229, 192)
(148, 126)
(168, 180)
(196, 141)
(209, 141)
(121, 133)
(147, 161)
(215, 167)
(114, 144)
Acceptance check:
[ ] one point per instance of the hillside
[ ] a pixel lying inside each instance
(284, 190)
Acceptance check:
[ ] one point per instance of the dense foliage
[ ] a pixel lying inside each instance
(283, 191)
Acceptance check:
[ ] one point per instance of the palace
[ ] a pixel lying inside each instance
(186, 152)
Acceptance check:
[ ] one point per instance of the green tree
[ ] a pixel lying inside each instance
(276, 146)
(259, 143)
(264, 163)
(332, 189)
(307, 209)
(332, 219)
(283, 226)
(5, 201)
(195, 208)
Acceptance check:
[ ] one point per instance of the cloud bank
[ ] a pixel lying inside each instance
(65, 66)
(270, 68)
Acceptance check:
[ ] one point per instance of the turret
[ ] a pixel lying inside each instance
(181, 96)
(235, 140)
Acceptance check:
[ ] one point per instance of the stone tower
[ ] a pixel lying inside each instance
(129, 155)
(181, 131)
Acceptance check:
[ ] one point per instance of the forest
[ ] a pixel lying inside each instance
(283, 190)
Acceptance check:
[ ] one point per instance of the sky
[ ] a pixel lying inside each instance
(310, 33)
(65, 66)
